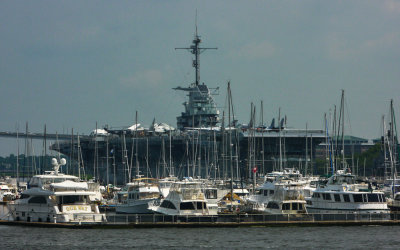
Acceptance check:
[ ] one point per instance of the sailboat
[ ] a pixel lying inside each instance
(392, 184)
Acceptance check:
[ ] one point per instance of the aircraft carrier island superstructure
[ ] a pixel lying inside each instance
(203, 145)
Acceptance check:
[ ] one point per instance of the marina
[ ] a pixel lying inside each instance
(213, 182)
(188, 125)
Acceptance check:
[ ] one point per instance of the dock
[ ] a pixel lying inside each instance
(237, 220)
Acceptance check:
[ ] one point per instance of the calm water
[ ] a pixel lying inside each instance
(366, 237)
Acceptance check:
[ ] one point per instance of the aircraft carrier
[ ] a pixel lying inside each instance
(204, 144)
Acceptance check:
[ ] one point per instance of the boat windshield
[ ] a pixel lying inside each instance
(72, 199)
(193, 205)
(57, 180)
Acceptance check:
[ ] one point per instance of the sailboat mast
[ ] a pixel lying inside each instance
(136, 154)
(230, 140)
(17, 156)
(107, 157)
(342, 111)
(79, 158)
(393, 146)
(280, 142)
(306, 165)
(171, 169)
(262, 136)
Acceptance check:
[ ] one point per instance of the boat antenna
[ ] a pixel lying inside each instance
(196, 51)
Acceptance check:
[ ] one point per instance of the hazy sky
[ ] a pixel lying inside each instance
(70, 64)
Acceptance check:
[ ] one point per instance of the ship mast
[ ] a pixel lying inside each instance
(196, 51)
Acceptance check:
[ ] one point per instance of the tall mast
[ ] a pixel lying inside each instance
(393, 139)
(306, 165)
(17, 155)
(262, 136)
(79, 158)
(342, 111)
(280, 142)
(107, 164)
(230, 140)
(136, 154)
(196, 51)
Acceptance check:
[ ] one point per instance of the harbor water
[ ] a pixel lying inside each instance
(333, 237)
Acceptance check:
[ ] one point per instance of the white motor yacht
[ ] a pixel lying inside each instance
(341, 194)
(281, 193)
(284, 195)
(137, 196)
(56, 197)
(185, 198)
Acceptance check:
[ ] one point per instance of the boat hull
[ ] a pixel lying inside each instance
(135, 207)
(45, 213)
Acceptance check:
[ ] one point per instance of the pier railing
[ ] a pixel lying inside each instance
(248, 218)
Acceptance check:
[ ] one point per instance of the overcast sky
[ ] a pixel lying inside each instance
(70, 64)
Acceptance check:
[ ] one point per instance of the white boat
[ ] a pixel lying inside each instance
(284, 195)
(6, 193)
(214, 192)
(287, 197)
(137, 196)
(165, 185)
(185, 198)
(341, 194)
(391, 187)
(56, 197)
(394, 203)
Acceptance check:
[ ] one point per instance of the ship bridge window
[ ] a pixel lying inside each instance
(315, 195)
(24, 196)
(38, 200)
(167, 204)
(71, 199)
(271, 192)
(201, 205)
(265, 192)
(272, 205)
(337, 197)
(357, 197)
(186, 206)
(286, 206)
(211, 194)
(346, 198)
(295, 206)
(133, 196)
(327, 197)
(365, 197)
(373, 198)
